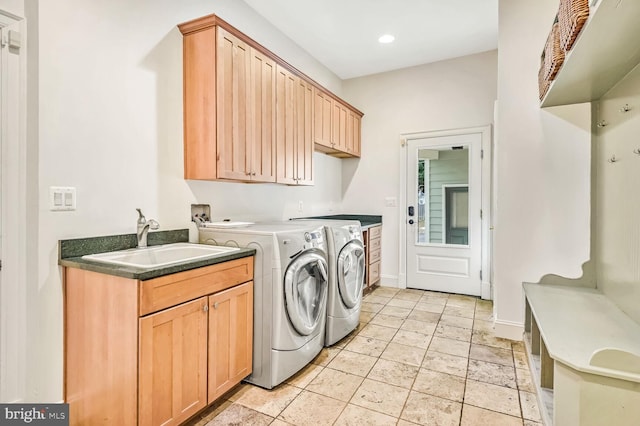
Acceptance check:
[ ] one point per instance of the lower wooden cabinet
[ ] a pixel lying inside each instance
(173, 364)
(155, 352)
(230, 338)
(373, 251)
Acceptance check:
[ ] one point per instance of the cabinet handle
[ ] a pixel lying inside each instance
(215, 305)
(253, 174)
(205, 308)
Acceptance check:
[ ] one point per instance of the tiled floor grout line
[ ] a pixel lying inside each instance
(453, 311)
(466, 376)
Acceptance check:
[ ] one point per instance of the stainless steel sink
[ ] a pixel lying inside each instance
(157, 256)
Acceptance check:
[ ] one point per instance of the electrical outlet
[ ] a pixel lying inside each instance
(300, 206)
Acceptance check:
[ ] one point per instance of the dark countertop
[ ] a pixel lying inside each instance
(366, 221)
(70, 254)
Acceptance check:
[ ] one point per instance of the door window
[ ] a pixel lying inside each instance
(443, 207)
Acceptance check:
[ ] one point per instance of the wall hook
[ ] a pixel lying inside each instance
(602, 123)
(625, 108)
(636, 151)
(613, 159)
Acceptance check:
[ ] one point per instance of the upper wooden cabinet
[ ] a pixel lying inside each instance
(335, 131)
(230, 108)
(294, 129)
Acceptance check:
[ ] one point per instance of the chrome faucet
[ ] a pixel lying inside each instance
(143, 228)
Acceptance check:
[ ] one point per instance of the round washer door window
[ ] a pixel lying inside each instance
(351, 273)
(305, 288)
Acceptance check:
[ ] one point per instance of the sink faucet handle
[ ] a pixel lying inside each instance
(141, 218)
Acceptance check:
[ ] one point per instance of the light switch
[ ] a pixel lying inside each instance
(62, 198)
(390, 202)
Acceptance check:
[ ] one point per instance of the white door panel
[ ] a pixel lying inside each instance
(444, 226)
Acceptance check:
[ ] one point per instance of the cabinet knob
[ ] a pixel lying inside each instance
(215, 305)
(253, 174)
(205, 308)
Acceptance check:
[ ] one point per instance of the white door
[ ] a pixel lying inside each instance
(444, 225)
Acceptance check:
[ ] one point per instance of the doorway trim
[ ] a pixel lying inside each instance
(13, 147)
(486, 152)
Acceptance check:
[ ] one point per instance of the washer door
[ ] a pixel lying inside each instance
(351, 273)
(305, 291)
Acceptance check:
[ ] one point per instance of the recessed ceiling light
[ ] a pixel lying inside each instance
(387, 38)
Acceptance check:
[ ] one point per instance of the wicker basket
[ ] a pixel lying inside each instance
(553, 53)
(572, 16)
(543, 83)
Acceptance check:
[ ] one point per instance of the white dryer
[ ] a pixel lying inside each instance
(290, 294)
(346, 255)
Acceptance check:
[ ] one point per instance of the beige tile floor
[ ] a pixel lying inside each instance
(417, 357)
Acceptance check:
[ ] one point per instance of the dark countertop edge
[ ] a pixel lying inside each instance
(369, 225)
(366, 221)
(147, 274)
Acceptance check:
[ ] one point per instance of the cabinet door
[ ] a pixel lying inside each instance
(357, 138)
(232, 68)
(339, 126)
(173, 364)
(322, 110)
(263, 118)
(286, 84)
(230, 338)
(304, 133)
(353, 133)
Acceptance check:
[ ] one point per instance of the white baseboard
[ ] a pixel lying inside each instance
(389, 281)
(509, 329)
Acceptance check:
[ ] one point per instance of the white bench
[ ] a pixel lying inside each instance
(585, 356)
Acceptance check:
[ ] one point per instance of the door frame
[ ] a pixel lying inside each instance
(14, 166)
(486, 152)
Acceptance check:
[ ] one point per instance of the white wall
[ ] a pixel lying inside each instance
(456, 93)
(617, 200)
(110, 124)
(542, 189)
(13, 7)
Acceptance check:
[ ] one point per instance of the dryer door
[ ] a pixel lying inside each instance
(305, 291)
(351, 273)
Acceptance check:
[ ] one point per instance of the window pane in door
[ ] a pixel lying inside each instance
(442, 195)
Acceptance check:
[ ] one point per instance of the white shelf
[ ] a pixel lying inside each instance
(605, 51)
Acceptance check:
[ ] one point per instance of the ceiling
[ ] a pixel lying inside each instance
(343, 34)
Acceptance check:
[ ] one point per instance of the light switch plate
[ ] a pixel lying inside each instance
(62, 198)
(391, 202)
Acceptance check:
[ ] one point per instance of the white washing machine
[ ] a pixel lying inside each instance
(290, 294)
(345, 250)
